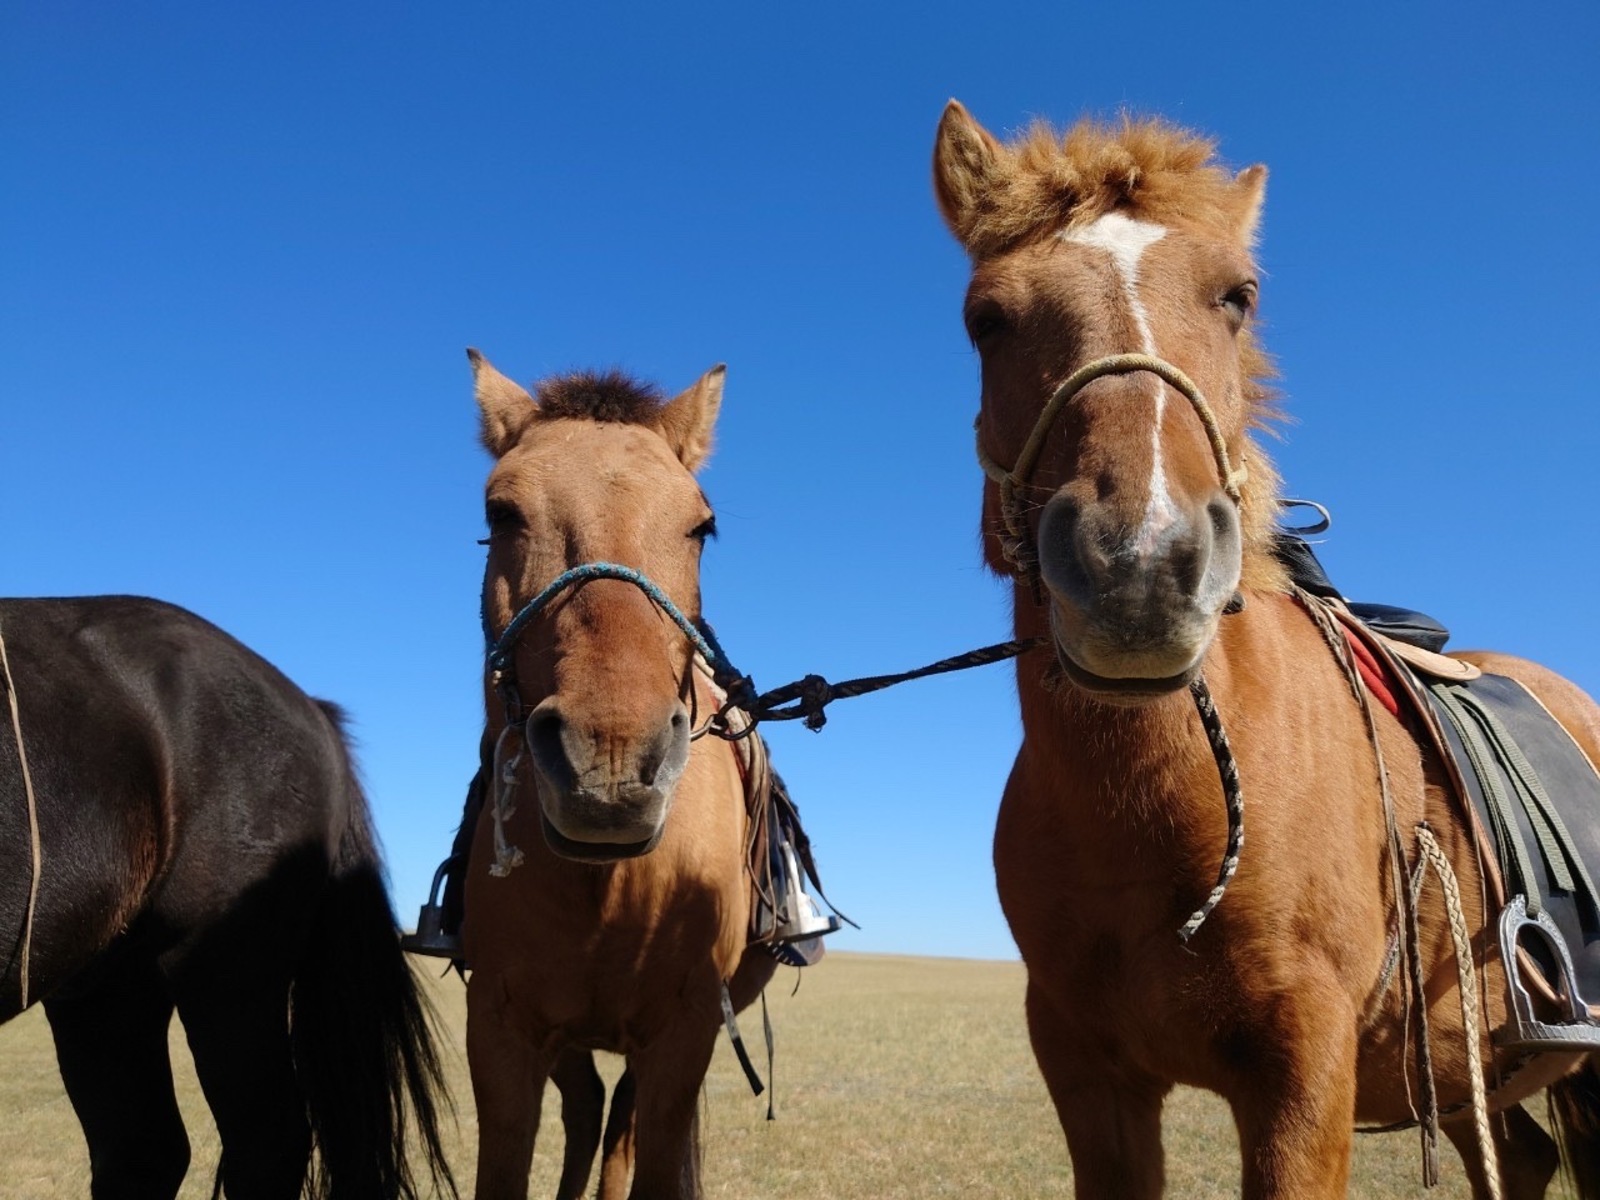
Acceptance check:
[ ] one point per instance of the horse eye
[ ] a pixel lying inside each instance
(1239, 303)
(706, 529)
(501, 518)
(984, 319)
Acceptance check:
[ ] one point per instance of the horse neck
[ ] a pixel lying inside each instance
(1121, 771)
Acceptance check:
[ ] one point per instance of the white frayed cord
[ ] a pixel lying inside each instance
(35, 850)
(506, 856)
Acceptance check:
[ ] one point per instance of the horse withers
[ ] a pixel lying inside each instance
(204, 846)
(1112, 300)
(608, 894)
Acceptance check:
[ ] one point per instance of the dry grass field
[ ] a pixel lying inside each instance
(896, 1078)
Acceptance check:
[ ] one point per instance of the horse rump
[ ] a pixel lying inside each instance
(363, 1031)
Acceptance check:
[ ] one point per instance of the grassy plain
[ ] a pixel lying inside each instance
(896, 1078)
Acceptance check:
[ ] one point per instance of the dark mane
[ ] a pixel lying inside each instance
(599, 396)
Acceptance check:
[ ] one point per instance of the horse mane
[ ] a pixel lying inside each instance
(610, 396)
(1045, 181)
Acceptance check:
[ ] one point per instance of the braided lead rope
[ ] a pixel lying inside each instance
(1467, 982)
(1232, 793)
(506, 856)
(1427, 1088)
(35, 848)
(1391, 955)
(1018, 547)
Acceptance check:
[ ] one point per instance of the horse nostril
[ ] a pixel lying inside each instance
(544, 731)
(668, 751)
(1223, 518)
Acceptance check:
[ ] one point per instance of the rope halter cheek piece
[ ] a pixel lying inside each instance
(1022, 551)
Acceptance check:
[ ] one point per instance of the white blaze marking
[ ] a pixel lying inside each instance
(1126, 240)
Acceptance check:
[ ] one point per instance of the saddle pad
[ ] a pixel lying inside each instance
(1537, 794)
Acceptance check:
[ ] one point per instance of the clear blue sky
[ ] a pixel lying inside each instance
(243, 245)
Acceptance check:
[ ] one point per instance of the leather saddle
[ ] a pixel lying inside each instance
(1528, 792)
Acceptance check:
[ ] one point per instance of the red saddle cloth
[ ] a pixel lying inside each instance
(1373, 673)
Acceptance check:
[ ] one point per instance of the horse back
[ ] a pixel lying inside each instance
(173, 768)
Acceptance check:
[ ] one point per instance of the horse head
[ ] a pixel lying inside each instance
(1141, 504)
(597, 468)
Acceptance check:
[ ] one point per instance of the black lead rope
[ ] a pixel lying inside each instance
(806, 698)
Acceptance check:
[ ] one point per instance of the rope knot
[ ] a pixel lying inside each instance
(741, 692)
(815, 693)
(1016, 551)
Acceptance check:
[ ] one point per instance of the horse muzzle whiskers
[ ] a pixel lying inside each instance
(1132, 617)
(604, 794)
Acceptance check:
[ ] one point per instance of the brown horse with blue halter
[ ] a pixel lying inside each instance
(1112, 304)
(610, 896)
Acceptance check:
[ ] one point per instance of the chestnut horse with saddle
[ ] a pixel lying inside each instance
(610, 889)
(1195, 683)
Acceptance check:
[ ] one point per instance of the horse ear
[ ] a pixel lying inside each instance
(687, 420)
(1251, 186)
(967, 160)
(504, 408)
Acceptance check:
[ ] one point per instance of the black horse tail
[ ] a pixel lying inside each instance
(1575, 1117)
(363, 1032)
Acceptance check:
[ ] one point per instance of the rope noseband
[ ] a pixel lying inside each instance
(499, 654)
(1018, 545)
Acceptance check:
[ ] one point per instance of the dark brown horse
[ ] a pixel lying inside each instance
(631, 910)
(1146, 525)
(203, 845)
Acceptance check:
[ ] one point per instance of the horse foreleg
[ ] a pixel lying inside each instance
(616, 1157)
(1111, 1117)
(1528, 1158)
(669, 1073)
(583, 1102)
(1293, 1095)
(509, 1069)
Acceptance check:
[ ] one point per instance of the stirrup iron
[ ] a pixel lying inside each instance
(798, 926)
(1576, 1029)
(430, 937)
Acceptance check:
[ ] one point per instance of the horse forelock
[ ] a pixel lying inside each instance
(1047, 181)
(606, 396)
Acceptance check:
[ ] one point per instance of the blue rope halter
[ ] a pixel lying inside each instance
(698, 632)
